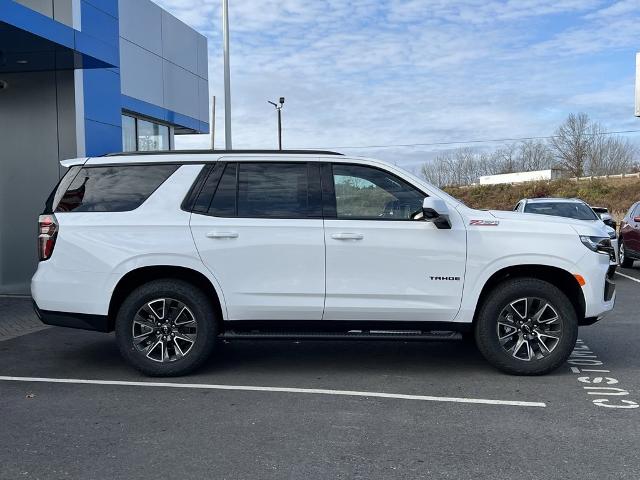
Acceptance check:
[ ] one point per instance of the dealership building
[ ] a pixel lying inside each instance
(84, 78)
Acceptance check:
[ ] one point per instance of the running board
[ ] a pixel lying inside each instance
(406, 335)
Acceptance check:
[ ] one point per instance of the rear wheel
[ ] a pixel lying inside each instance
(166, 328)
(526, 327)
(625, 260)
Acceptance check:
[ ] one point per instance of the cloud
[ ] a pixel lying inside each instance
(369, 72)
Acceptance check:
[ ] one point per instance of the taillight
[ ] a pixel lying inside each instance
(48, 231)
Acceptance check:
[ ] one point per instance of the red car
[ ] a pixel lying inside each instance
(630, 236)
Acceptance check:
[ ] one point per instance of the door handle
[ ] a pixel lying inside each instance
(222, 235)
(347, 236)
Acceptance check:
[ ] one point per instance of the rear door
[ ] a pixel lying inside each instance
(258, 228)
(382, 264)
(631, 231)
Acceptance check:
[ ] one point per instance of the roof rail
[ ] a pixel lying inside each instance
(245, 152)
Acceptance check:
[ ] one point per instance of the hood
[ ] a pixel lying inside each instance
(582, 227)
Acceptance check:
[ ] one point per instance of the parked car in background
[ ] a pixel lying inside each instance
(605, 216)
(564, 207)
(630, 236)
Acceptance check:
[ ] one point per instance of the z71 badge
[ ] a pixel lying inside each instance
(484, 223)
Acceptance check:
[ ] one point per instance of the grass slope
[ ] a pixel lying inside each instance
(615, 194)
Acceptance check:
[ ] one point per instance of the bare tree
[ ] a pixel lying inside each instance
(571, 143)
(505, 159)
(462, 166)
(579, 146)
(534, 155)
(609, 154)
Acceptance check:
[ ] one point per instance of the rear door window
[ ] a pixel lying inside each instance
(112, 188)
(264, 190)
(224, 199)
(277, 190)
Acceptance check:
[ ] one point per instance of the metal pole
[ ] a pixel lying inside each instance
(227, 75)
(280, 128)
(213, 123)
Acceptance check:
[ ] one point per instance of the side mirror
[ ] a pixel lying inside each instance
(435, 210)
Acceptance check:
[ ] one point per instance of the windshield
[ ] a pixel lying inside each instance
(576, 210)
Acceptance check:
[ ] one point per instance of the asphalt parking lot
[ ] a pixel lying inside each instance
(448, 413)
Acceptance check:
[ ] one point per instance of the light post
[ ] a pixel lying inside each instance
(279, 109)
(227, 75)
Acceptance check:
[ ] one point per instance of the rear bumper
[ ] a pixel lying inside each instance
(83, 321)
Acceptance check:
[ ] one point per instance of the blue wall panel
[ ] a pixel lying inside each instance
(107, 6)
(102, 138)
(154, 111)
(99, 24)
(102, 101)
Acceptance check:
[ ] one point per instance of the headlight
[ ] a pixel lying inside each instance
(612, 234)
(598, 244)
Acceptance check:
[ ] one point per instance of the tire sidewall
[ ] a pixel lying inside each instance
(502, 295)
(194, 299)
(628, 261)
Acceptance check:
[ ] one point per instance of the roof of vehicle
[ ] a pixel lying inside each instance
(226, 152)
(195, 156)
(554, 200)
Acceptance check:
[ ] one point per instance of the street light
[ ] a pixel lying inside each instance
(227, 75)
(279, 109)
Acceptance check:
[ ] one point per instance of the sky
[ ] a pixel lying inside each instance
(368, 73)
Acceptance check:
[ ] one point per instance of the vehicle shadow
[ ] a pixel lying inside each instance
(345, 357)
(70, 353)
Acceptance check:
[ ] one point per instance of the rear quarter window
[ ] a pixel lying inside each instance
(112, 188)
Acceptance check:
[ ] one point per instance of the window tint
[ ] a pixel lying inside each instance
(368, 193)
(113, 189)
(277, 190)
(224, 199)
(576, 210)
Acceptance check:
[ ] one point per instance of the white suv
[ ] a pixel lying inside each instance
(177, 250)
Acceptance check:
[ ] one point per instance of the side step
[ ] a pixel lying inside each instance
(405, 335)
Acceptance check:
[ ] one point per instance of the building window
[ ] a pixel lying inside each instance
(152, 136)
(128, 134)
(143, 135)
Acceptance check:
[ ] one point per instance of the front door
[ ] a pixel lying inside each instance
(258, 229)
(382, 264)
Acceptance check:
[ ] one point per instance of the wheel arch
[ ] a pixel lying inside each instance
(142, 275)
(556, 276)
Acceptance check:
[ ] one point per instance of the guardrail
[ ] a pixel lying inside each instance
(575, 179)
(621, 175)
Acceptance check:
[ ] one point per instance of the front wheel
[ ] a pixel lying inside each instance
(526, 327)
(166, 328)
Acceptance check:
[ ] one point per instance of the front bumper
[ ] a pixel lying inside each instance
(601, 297)
(610, 283)
(83, 321)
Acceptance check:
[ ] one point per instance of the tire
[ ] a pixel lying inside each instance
(493, 321)
(625, 260)
(176, 307)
